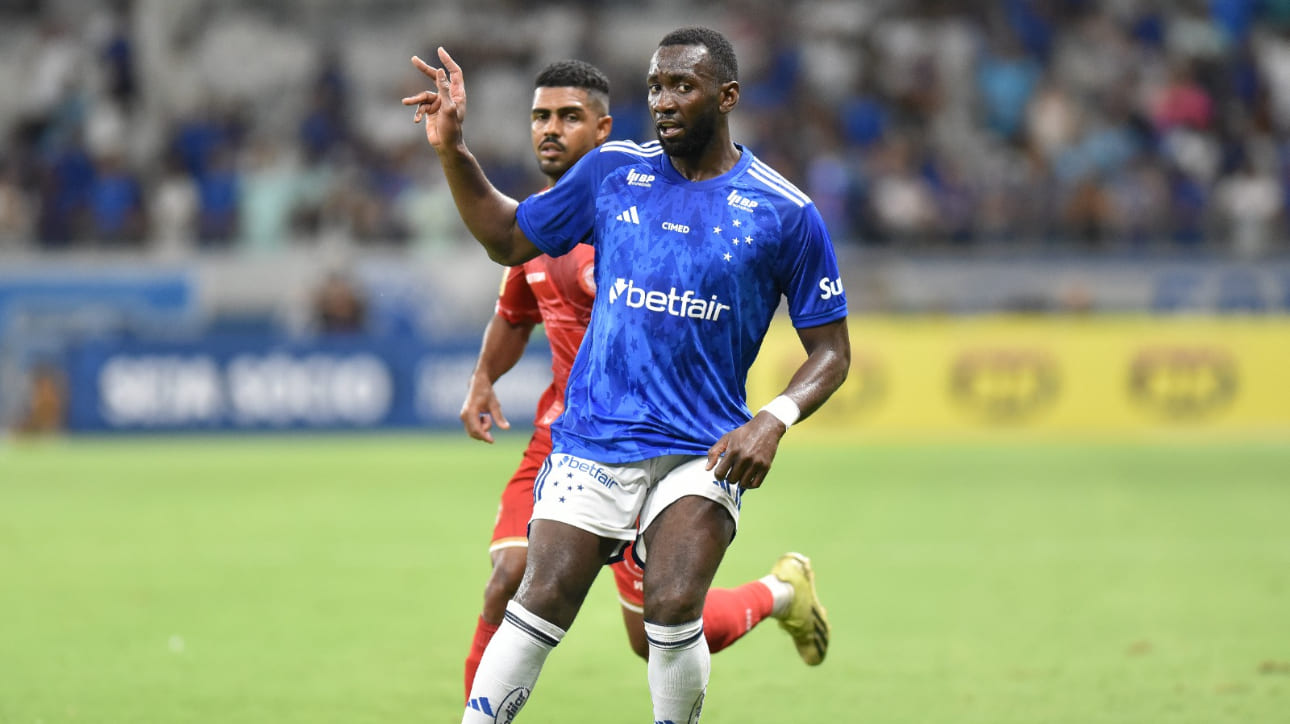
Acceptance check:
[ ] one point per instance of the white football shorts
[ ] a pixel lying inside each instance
(619, 501)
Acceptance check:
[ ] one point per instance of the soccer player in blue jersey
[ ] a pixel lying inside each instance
(696, 243)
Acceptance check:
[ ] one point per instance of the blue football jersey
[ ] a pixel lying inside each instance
(688, 277)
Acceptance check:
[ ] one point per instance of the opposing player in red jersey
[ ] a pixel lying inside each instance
(570, 116)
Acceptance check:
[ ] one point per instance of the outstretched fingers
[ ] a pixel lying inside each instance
(425, 101)
(451, 66)
(449, 81)
(426, 69)
(456, 85)
(420, 98)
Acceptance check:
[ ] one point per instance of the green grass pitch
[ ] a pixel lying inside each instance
(337, 579)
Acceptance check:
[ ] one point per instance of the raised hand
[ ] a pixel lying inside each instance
(444, 108)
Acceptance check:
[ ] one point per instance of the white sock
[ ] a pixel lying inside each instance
(780, 592)
(510, 666)
(679, 664)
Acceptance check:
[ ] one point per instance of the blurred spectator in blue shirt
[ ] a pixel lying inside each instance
(116, 203)
(217, 192)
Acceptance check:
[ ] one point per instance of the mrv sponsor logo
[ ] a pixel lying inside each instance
(636, 178)
(685, 304)
(830, 288)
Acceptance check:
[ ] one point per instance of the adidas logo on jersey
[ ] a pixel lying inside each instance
(629, 216)
(740, 202)
(636, 178)
(685, 304)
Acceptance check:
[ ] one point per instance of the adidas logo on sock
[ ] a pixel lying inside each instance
(629, 216)
(481, 705)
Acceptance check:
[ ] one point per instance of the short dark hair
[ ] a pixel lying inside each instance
(575, 74)
(719, 49)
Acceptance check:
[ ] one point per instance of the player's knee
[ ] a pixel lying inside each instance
(508, 571)
(549, 592)
(672, 604)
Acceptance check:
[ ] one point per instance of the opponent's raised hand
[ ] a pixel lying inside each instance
(444, 107)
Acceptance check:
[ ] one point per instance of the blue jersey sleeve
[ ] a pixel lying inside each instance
(809, 271)
(563, 216)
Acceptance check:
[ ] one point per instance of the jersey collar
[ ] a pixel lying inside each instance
(671, 174)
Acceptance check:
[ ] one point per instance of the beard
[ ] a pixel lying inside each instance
(554, 166)
(698, 134)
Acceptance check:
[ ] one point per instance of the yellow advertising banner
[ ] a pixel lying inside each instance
(938, 376)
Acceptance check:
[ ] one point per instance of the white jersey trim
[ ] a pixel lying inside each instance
(649, 150)
(775, 182)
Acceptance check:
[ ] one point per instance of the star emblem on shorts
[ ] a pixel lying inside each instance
(561, 498)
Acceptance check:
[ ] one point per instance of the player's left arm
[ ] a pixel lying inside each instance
(744, 455)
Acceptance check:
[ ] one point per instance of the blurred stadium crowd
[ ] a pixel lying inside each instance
(176, 127)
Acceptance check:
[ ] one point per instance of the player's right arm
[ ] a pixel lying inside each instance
(505, 338)
(487, 212)
(504, 343)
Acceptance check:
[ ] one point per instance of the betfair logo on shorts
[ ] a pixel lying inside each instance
(636, 178)
(596, 472)
(685, 304)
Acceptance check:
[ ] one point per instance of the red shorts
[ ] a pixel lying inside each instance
(516, 508)
(630, 579)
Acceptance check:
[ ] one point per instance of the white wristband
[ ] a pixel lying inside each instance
(784, 409)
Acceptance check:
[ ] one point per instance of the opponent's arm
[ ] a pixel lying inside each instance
(503, 345)
(744, 455)
(488, 213)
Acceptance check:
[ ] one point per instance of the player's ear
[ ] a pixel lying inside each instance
(604, 126)
(729, 96)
